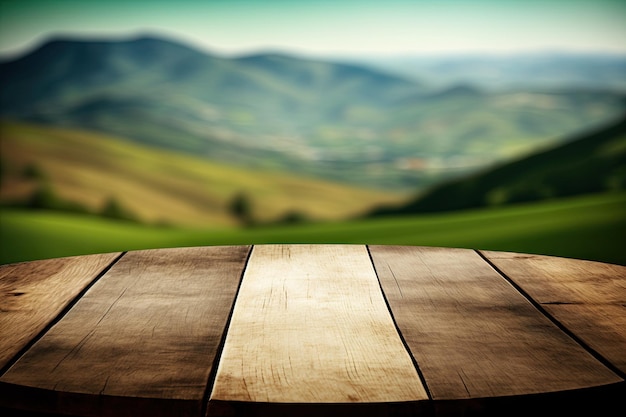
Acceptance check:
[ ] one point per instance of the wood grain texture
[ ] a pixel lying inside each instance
(148, 329)
(472, 333)
(588, 298)
(311, 326)
(33, 294)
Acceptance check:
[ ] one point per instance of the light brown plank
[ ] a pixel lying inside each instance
(473, 335)
(141, 341)
(33, 294)
(588, 298)
(311, 326)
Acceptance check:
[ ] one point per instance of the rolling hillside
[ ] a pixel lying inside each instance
(251, 111)
(161, 186)
(326, 119)
(589, 163)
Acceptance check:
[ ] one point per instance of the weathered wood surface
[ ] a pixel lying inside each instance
(472, 333)
(150, 328)
(588, 298)
(33, 294)
(311, 326)
(314, 330)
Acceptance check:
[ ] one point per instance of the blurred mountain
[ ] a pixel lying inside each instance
(588, 163)
(326, 119)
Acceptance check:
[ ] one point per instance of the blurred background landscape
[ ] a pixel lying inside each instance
(481, 124)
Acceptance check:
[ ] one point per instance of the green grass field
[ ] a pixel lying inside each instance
(590, 227)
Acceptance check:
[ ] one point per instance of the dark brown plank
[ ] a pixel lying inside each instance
(141, 341)
(33, 294)
(473, 335)
(588, 298)
(311, 326)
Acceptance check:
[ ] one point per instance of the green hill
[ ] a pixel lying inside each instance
(590, 163)
(94, 171)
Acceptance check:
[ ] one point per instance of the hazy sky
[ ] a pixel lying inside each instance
(324, 27)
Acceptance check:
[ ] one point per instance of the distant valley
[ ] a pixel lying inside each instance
(338, 122)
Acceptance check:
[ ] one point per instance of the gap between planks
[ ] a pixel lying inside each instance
(593, 352)
(220, 347)
(395, 323)
(59, 316)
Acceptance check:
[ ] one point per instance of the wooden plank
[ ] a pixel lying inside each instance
(33, 294)
(588, 298)
(473, 335)
(141, 341)
(311, 326)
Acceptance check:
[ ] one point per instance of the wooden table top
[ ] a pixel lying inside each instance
(311, 330)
